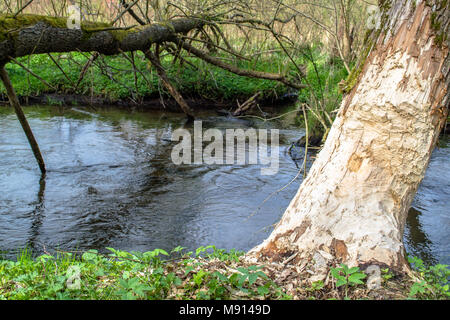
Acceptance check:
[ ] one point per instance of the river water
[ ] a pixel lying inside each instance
(111, 183)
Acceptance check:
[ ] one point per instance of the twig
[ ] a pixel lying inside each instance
(241, 72)
(32, 73)
(86, 67)
(154, 59)
(60, 68)
(127, 9)
(23, 8)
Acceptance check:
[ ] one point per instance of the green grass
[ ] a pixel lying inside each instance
(323, 75)
(136, 275)
(206, 274)
(432, 281)
(114, 78)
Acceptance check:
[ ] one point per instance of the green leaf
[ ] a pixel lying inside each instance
(262, 290)
(353, 270)
(356, 278)
(417, 287)
(100, 272)
(188, 269)
(178, 249)
(243, 270)
(252, 278)
(345, 268)
(220, 276)
(335, 273)
(242, 279)
(262, 275)
(340, 282)
(161, 251)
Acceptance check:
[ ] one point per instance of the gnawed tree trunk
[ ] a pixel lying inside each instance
(354, 203)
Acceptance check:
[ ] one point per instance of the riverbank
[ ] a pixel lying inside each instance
(206, 274)
(131, 78)
(146, 103)
(65, 80)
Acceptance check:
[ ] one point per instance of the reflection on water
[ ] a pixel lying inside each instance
(111, 183)
(417, 240)
(426, 235)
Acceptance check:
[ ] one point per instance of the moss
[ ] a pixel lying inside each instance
(10, 24)
(436, 23)
(440, 39)
(167, 25)
(352, 79)
(120, 35)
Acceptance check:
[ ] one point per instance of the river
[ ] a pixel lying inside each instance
(111, 183)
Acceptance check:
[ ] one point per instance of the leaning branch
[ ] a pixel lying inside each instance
(14, 101)
(154, 59)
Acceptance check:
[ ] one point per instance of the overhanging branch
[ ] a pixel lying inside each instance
(241, 72)
(34, 34)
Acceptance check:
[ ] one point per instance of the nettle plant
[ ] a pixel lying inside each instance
(433, 283)
(347, 277)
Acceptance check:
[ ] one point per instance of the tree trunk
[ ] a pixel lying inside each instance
(354, 203)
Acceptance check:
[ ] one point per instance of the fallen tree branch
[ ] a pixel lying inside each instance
(34, 34)
(247, 105)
